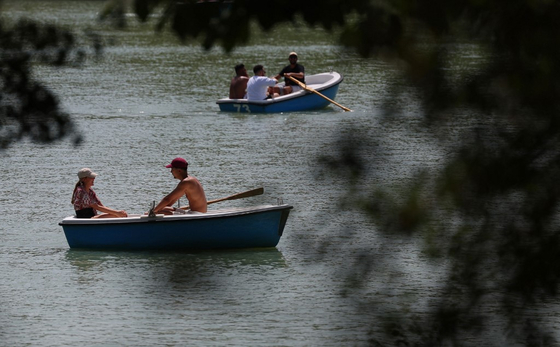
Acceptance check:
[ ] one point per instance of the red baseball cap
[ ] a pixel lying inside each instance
(178, 163)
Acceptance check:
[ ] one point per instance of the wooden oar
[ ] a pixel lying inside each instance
(246, 194)
(316, 92)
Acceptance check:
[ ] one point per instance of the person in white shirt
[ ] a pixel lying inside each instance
(258, 85)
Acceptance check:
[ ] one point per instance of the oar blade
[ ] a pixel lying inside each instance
(316, 92)
(247, 194)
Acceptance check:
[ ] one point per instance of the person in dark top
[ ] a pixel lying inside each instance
(294, 70)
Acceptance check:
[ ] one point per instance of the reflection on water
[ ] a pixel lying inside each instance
(177, 273)
(192, 262)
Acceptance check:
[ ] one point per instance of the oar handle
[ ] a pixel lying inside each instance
(247, 194)
(316, 92)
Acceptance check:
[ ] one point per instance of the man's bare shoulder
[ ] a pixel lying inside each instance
(189, 181)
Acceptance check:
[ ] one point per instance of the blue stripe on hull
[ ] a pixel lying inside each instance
(262, 229)
(306, 102)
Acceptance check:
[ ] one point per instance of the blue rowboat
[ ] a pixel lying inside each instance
(260, 226)
(325, 83)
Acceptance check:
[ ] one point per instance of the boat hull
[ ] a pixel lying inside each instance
(222, 229)
(326, 83)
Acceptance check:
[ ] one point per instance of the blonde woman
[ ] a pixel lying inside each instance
(85, 201)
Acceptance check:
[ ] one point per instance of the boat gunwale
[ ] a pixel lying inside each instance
(213, 214)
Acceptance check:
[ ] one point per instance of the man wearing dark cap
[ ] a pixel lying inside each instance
(189, 186)
(294, 70)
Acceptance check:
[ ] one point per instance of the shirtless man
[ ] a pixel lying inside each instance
(189, 186)
(239, 83)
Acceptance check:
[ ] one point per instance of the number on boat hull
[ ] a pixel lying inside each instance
(242, 108)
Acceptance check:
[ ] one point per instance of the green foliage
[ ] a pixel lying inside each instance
(498, 192)
(27, 107)
(496, 199)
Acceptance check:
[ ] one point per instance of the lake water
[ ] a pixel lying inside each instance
(150, 99)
